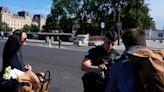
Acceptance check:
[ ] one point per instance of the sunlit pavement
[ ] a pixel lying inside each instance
(69, 45)
(64, 62)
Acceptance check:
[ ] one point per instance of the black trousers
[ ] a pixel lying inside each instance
(9, 86)
(92, 84)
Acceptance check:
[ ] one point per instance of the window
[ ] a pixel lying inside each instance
(160, 34)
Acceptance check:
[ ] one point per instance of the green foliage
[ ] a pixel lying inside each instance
(32, 28)
(4, 27)
(135, 14)
(27, 28)
(61, 9)
(90, 13)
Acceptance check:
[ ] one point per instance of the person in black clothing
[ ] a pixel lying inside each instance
(12, 57)
(59, 42)
(97, 63)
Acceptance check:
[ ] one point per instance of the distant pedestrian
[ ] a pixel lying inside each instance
(59, 42)
(2, 34)
(97, 63)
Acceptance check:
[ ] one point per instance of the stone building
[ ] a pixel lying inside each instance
(40, 20)
(17, 21)
(154, 34)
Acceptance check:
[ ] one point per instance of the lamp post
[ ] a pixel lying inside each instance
(119, 25)
(119, 28)
(151, 26)
(102, 27)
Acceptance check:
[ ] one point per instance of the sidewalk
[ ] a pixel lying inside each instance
(155, 44)
(150, 43)
(69, 45)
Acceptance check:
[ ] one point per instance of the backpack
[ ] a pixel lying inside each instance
(150, 65)
(21, 84)
(38, 83)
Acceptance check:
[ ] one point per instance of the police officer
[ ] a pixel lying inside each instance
(97, 63)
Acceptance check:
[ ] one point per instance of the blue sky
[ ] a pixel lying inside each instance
(156, 12)
(32, 6)
(43, 7)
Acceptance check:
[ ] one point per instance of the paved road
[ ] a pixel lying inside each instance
(64, 66)
(63, 63)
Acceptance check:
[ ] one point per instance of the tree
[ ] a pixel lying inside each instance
(27, 28)
(90, 13)
(96, 11)
(4, 27)
(32, 28)
(135, 14)
(61, 9)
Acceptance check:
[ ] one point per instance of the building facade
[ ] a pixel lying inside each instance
(39, 20)
(17, 21)
(154, 34)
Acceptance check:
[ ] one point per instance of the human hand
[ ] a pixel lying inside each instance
(103, 66)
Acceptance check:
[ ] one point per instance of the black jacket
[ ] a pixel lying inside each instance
(12, 53)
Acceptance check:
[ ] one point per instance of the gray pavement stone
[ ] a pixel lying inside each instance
(69, 45)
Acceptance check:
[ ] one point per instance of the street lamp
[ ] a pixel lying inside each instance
(119, 25)
(119, 28)
(102, 27)
(151, 26)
